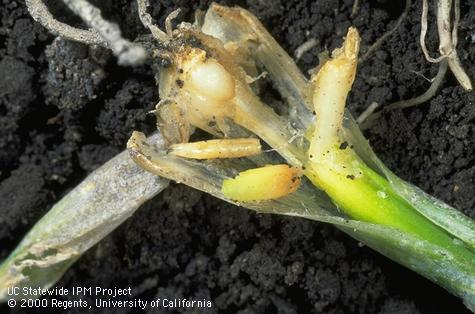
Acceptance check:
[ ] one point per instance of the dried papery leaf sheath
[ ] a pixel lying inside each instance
(104, 200)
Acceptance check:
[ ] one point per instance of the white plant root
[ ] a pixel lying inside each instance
(146, 20)
(369, 116)
(448, 38)
(40, 13)
(104, 33)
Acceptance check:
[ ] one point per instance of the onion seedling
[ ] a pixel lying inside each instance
(377, 208)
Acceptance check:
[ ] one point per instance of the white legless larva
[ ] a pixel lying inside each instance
(210, 79)
(222, 148)
(264, 183)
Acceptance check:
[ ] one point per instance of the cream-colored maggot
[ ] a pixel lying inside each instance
(221, 148)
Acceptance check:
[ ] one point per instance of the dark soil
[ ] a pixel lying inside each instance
(66, 108)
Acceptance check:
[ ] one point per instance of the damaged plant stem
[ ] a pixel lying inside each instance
(355, 191)
(322, 167)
